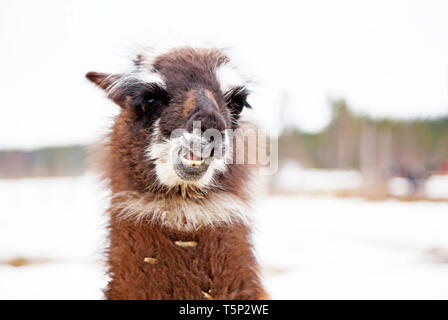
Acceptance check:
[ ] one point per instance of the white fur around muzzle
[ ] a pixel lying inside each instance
(161, 152)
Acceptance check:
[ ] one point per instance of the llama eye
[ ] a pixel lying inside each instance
(237, 100)
(236, 107)
(148, 104)
(237, 104)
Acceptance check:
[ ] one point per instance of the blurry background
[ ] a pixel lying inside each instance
(357, 92)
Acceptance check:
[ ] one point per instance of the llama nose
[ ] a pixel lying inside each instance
(206, 112)
(207, 121)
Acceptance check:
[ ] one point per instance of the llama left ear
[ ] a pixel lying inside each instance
(103, 80)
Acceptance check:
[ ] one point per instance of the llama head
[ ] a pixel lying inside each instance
(179, 110)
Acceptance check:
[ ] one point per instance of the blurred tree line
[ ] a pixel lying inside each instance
(360, 142)
(51, 161)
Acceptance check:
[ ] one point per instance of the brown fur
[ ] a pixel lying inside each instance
(222, 264)
(190, 102)
(211, 97)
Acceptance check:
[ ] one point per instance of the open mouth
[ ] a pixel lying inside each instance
(193, 159)
(191, 165)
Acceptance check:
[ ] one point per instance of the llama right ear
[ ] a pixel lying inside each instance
(105, 81)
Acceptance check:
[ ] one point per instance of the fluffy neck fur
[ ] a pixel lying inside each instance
(179, 249)
(185, 212)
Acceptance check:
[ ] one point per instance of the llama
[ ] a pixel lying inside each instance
(179, 225)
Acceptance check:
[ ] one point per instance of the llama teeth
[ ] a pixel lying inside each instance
(193, 163)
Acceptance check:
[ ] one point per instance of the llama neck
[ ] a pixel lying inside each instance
(149, 261)
(180, 212)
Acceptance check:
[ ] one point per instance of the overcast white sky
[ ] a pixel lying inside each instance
(387, 58)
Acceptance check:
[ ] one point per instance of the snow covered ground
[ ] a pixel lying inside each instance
(293, 178)
(309, 247)
(437, 186)
(350, 248)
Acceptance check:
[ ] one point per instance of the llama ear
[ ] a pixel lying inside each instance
(103, 80)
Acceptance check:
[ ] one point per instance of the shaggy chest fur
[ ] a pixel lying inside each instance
(149, 262)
